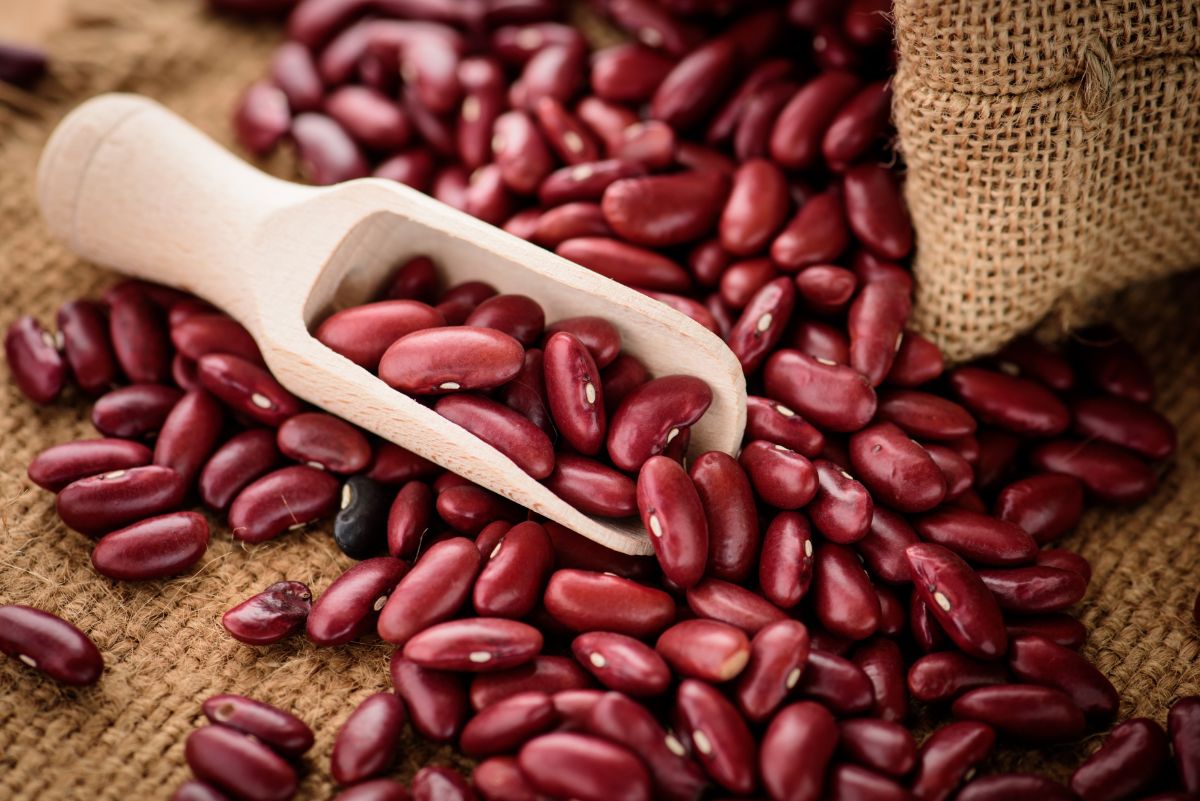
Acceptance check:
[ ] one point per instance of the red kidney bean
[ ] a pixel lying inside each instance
(719, 737)
(836, 682)
(949, 754)
(247, 388)
(432, 591)
(778, 655)
(1035, 589)
(818, 234)
(978, 537)
(772, 421)
(724, 123)
(245, 457)
(732, 604)
(436, 700)
(882, 547)
(60, 465)
(569, 221)
(1039, 661)
(281, 730)
(925, 415)
(375, 790)
(526, 392)
(153, 548)
(189, 434)
(440, 784)
(893, 613)
(139, 337)
(1015, 404)
(672, 513)
(825, 288)
(883, 663)
(327, 153)
(483, 83)
(486, 197)
(1184, 728)
(707, 262)
(134, 411)
(831, 396)
(662, 210)
(395, 465)
(288, 498)
(944, 675)
(416, 279)
(796, 750)
(364, 333)
(271, 615)
(439, 360)
(575, 706)
(474, 644)
(844, 600)
(569, 138)
(574, 392)
(506, 725)
(762, 323)
(573, 550)
(86, 345)
(1112, 364)
(499, 426)
(620, 378)
(917, 362)
(370, 117)
(21, 65)
(200, 334)
(853, 783)
(193, 790)
(516, 315)
(102, 503)
(585, 183)
(926, 632)
(708, 650)
(262, 118)
(554, 71)
(755, 209)
(842, 509)
(881, 745)
(349, 605)
(896, 469)
(696, 84)
(324, 441)
(294, 71)
(1027, 356)
(512, 581)
(960, 599)
(780, 476)
(582, 767)
(875, 211)
(368, 741)
(997, 452)
(1125, 423)
(858, 125)
(622, 663)
(551, 674)
(1110, 473)
(1065, 560)
(584, 601)
(1047, 505)
(239, 764)
(743, 280)
(500, 779)
(653, 26)
(592, 487)
(1128, 764)
(413, 168)
(1025, 711)
(729, 508)
(628, 73)
(1003, 786)
(48, 643)
(820, 340)
(752, 137)
(798, 133)
(521, 152)
(1061, 629)
(652, 415)
(626, 264)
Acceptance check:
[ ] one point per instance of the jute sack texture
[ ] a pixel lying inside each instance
(163, 645)
(1053, 154)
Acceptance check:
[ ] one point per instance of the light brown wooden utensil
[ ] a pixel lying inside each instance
(129, 185)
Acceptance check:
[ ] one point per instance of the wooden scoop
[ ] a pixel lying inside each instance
(129, 185)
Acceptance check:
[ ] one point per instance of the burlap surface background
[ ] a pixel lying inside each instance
(1053, 154)
(162, 641)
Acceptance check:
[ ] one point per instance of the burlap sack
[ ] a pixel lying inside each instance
(1053, 154)
(165, 650)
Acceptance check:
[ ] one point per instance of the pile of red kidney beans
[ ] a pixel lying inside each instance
(884, 539)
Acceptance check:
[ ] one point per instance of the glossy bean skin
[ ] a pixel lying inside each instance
(1126, 765)
(622, 663)
(526, 393)
(48, 643)
(1034, 590)
(780, 476)
(139, 337)
(818, 234)
(1183, 725)
(239, 765)
(944, 675)
(729, 508)
(327, 153)
(652, 415)
(244, 457)
(672, 513)
(597, 334)
(881, 660)
(1012, 403)
(1109, 473)
(772, 421)
(620, 378)
(86, 345)
(881, 745)
(732, 604)
(947, 757)
(246, 388)
(516, 315)
(1060, 628)
(592, 487)
(833, 397)
(364, 333)
(502, 428)
(194, 790)
(1047, 505)
(695, 85)
(977, 537)
(875, 211)
(798, 133)
(1125, 423)
(755, 209)
(584, 601)
(103, 503)
(959, 599)
(348, 606)
(925, 415)
(836, 682)
(876, 325)
(626, 264)
(1113, 365)
(436, 700)
(436, 587)
(1003, 786)
(482, 644)
(844, 600)
(705, 649)
(271, 615)
(451, 359)
(778, 655)
(409, 518)
(395, 465)
(134, 411)
(153, 548)
(664, 210)
(826, 289)
(622, 720)
(1027, 712)
(842, 509)
(367, 742)
(189, 434)
(762, 324)
(281, 730)
(574, 392)
(572, 550)
(579, 766)
(1040, 661)
(796, 750)
(742, 280)
(60, 465)
(287, 498)
(375, 790)
(918, 361)
(467, 508)
(551, 674)
(506, 725)
(513, 580)
(627, 73)
(200, 334)
(896, 469)
(718, 735)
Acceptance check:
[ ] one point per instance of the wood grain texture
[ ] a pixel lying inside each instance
(129, 185)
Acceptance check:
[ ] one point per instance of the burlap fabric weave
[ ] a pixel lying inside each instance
(162, 641)
(1053, 154)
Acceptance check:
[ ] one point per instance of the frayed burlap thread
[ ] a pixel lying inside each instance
(164, 648)
(1053, 154)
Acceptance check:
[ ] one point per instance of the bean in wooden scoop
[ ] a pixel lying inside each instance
(129, 185)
